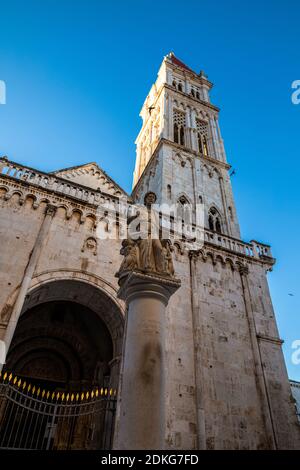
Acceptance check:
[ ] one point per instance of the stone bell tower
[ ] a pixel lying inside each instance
(181, 140)
(226, 380)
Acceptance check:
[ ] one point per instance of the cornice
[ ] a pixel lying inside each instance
(198, 155)
(180, 148)
(26, 184)
(270, 339)
(191, 98)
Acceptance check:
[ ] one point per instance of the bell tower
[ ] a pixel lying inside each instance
(223, 349)
(180, 151)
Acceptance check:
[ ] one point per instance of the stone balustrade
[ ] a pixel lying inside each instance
(52, 182)
(253, 249)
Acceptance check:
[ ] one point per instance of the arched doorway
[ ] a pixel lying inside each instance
(67, 342)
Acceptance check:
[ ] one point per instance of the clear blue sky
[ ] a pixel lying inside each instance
(77, 73)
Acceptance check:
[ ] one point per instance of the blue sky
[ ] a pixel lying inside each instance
(77, 73)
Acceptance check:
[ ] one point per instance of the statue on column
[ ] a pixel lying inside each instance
(146, 251)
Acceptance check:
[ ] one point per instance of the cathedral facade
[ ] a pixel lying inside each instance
(63, 322)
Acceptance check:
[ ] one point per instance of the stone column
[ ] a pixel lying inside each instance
(141, 423)
(16, 312)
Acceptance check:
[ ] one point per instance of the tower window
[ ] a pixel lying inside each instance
(211, 222)
(179, 127)
(179, 86)
(176, 135)
(181, 136)
(197, 95)
(169, 191)
(174, 84)
(192, 92)
(218, 225)
(214, 220)
(202, 135)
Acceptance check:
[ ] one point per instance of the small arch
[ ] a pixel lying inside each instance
(214, 220)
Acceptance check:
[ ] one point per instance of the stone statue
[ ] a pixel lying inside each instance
(130, 252)
(167, 251)
(141, 251)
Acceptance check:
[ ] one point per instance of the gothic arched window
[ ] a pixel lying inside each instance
(200, 148)
(197, 95)
(184, 215)
(179, 127)
(205, 147)
(176, 137)
(202, 135)
(174, 84)
(214, 220)
(181, 136)
(179, 86)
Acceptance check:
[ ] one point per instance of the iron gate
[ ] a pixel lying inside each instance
(33, 418)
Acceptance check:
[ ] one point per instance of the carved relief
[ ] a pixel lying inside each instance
(90, 245)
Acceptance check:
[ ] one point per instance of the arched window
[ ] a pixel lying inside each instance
(169, 191)
(176, 136)
(205, 148)
(218, 225)
(174, 84)
(214, 220)
(200, 148)
(202, 135)
(184, 215)
(179, 86)
(197, 95)
(179, 127)
(181, 135)
(192, 92)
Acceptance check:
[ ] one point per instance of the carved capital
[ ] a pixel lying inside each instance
(137, 284)
(50, 210)
(243, 270)
(193, 254)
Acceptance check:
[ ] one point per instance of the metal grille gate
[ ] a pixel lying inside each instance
(33, 418)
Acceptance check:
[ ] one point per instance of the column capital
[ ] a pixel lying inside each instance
(50, 210)
(243, 270)
(193, 254)
(151, 285)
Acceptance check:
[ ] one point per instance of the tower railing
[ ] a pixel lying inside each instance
(254, 249)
